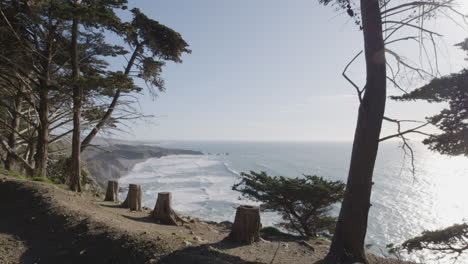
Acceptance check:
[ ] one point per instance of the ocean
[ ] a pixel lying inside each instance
(403, 204)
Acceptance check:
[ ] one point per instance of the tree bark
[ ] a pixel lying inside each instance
(15, 122)
(112, 191)
(75, 176)
(43, 133)
(30, 158)
(133, 200)
(246, 227)
(349, 238)
(163, 212)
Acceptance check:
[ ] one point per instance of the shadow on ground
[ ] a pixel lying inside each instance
(52, 235)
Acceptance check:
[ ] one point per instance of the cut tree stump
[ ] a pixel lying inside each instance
(133, 200)
(163, 212)
(112, 190)
(246, 227)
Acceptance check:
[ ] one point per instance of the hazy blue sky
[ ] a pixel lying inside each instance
(266, 70)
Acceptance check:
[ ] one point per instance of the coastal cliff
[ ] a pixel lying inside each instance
(114, 161)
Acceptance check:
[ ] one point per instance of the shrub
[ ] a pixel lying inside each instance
(304, 203)
(59, 171)
(271, 231)
(39, 179)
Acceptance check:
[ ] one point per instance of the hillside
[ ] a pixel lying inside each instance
(43, 223)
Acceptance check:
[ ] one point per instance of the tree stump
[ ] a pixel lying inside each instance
(246, 227)
(112, 191)
(133, 200)
(163, 212)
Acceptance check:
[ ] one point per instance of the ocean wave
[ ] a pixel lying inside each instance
(230, 170)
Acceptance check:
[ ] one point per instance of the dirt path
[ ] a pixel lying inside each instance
(41, 223)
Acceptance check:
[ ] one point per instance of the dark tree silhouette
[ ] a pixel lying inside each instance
(349, 238)
(452, 120)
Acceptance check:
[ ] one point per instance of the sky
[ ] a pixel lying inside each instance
(268, 70)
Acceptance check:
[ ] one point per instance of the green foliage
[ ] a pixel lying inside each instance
(453, 120)
(271, 231)
(36, 47)
(13, 174)
(163, 42)
(304, 203)
(450, 242)
(38, 179)
(59, 171)
(22, 177)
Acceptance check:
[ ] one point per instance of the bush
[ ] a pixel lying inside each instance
(59, 171)
(271, 231)
(39, 179)
(304, 203)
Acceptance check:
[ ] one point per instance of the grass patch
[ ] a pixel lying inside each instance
(318, 238)
(272, 231)
(22, 177)
(13, 174)
(39, 179)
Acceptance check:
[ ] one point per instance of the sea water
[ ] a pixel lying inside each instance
(403, 203)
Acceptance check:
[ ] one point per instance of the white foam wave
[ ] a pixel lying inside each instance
(200, 185)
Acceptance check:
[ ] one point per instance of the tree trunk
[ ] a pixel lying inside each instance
(163, 212)
(246, 227)
(112, 191)
(15, 122)
(349, 238)
(43, 133)
(133, 200)
(30, 158)
(75, 176)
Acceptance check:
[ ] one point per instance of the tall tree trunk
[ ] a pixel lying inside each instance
(75, 177)
(43, 132)
(348, 240)
(87, 141)
(15, 122)
(31, 151)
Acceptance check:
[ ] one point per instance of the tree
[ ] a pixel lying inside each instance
(452, 140)
(349, 238)
(53, 59)
(91, 14)
(451, 121)
(151, 44)
(33, 33)
(75, 179)
(450, 242)
(304, 203)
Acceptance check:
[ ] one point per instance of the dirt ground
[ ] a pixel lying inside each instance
(42, 223)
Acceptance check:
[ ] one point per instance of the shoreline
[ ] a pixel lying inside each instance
(115, 161)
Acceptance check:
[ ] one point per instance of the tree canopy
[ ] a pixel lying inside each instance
(304, 203)
(55, 78)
